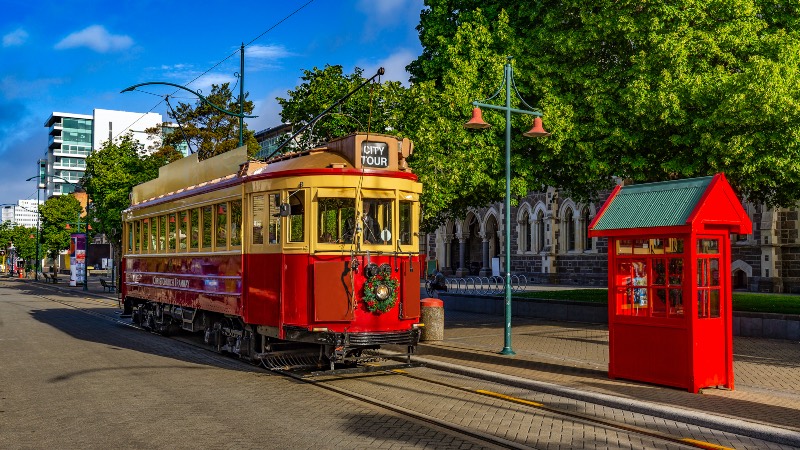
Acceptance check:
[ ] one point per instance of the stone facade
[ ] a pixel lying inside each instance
(549, 244)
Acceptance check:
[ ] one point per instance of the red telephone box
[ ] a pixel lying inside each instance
(669, 280)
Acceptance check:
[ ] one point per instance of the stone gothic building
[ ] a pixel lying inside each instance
(549, 244)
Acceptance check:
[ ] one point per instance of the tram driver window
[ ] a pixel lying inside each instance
(274, 215)
(258, 219)
(334, 214)
(297, 217)
(405, 223)
(377, 218)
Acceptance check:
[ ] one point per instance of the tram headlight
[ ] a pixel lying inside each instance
(382, 292)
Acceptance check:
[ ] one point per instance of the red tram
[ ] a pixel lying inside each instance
(317, 248)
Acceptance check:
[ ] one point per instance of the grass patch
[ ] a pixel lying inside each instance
(742, 301)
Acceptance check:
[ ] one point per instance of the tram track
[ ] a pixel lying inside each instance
(484, 438)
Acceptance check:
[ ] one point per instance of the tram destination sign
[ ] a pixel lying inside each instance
(374, 154)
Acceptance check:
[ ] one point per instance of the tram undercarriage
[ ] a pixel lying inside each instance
(303, 349)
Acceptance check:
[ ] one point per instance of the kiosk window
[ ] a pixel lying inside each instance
(258, 219)
(708, 295)
(649, 277)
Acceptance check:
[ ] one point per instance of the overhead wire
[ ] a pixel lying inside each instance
(215, 66)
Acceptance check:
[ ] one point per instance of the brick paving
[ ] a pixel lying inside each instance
(568, 354)
(767, 372)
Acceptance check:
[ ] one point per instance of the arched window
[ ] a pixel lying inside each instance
(526, 231)
(540, 231)
(569, 229)
(587, 241)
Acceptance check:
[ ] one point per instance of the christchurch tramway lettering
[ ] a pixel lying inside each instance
(170, 282)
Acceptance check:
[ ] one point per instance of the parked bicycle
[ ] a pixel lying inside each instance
(435, 284)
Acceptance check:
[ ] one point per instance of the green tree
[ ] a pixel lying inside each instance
(111, 173)
(56, 213)
(641, 91)
(24, 240)
(373, 108)
(209, 131)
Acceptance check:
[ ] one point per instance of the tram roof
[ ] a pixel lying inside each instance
(190, 174)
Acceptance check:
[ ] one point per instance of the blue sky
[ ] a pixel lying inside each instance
(77, 56)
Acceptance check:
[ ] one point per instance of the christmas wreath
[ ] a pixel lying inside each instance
(380, 292)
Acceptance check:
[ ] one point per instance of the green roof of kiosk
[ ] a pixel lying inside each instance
(662, 204)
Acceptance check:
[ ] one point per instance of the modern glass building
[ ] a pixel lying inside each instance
(72, 137)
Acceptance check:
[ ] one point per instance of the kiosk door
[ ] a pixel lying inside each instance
(710, 344)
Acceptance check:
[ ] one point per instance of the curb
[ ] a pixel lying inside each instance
(703, 419)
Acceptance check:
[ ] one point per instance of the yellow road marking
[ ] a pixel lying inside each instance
(703, 444)
(509, 398)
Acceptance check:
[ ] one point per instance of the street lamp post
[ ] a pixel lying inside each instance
(537, 131)
(39, 187)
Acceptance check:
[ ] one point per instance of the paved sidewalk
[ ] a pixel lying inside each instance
(573, 357)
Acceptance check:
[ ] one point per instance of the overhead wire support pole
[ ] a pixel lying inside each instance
(380, 72)
(241, 115)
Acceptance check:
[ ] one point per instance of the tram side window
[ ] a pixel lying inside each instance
(131, 227)
(297, 223)
(207, 226)
(236, 223)
(194, 229)
(258, 219)
(137, 236)
(334, 215)
(153, 234)
(145, 235)
(405, 223)
(162, 233)
(171, 223)
(222, 226)
(274, 214)
(182, 227)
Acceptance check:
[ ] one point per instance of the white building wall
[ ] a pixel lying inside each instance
(114, 124)
(24, 213)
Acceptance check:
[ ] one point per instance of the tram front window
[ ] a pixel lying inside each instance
(376, 218)
(334, 215)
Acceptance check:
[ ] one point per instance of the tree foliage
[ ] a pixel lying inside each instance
(111, 173)
(209, 131)
(373, 108)
(56, 213)
(643, 91)
(23, 238)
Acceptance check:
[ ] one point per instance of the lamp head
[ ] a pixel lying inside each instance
(476, 122)
(537, 130)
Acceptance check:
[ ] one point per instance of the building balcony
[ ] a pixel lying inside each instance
(55, 142)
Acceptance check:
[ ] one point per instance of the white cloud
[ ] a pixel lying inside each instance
(265, 52)
(97, 38)
(395, 65)
(388, 14)
(16, 37)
